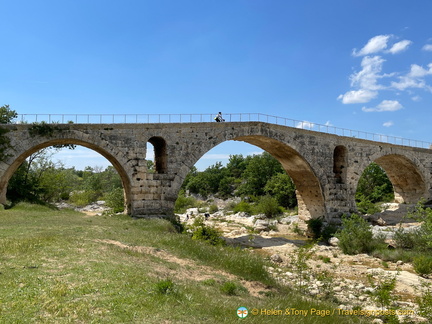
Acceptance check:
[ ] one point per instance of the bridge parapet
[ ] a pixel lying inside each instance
(203, 118)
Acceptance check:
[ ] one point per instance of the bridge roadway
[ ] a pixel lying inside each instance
(324, 167)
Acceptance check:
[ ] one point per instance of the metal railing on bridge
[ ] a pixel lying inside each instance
(200, 118)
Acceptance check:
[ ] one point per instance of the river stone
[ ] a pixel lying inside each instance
(261, 225)
(333, 241)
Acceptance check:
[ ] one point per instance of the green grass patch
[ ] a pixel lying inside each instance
(60, 266)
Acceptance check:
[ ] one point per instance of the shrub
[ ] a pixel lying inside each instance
(213, 209)
(425, 303)
(229, 288)
(243, 207)
(423, 265)
(203, 232)
(365, 206)
(84, 197)
(165, 287)
(182, 203)
(328, 231)
(356, 236)
(268, 206)
(423, 215)
(301, 268)
(315, 226)
(410, 240)
(384, 286)
(115, 200)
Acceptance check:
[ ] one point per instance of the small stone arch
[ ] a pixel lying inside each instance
(340, 162)
(160, 153)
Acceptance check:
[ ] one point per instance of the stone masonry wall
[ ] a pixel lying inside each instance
(315, 161)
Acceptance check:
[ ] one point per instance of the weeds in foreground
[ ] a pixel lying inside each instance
(165, 287)
(300, 267)
(384, 286)
(231, 288)
(424, 302)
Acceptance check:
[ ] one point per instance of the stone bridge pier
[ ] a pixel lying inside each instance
(325, 168)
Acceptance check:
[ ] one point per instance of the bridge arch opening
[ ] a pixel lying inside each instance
(310, 199)
(295, 171)
(373, 187)
(115, 170)
(390, 177)
(159, 154)
(408, 183)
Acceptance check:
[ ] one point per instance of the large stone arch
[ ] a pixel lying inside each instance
(19, 157)
(311, 203)
(405, 174)
(310, 198)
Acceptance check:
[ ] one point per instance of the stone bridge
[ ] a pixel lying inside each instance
(324, 167)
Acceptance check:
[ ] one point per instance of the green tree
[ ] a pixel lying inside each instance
(282, 188)
(374, 185)
(236, 165)
(206, 182)
(150, 166)
(7, 115)
(56, 183)
(258, 172)
(39, 179)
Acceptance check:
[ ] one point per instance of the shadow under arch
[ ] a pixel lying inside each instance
(24, 155)
(310, 199)
(408, 183)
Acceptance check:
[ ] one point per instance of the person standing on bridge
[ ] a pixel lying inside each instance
(219, 118)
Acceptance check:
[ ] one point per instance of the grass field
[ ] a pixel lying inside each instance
(60, 266)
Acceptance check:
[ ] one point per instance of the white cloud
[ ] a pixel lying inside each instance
(328, 123)
(418, 71)
(414, 78)
(305, 125)
(374, 45)
(388, 124)
(357, 96)
(407, 82)
(368, 76)
(385, 105)
(400, 46)
(368, 82)
(427, 47)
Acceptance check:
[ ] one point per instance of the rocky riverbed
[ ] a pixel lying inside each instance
(352, 281)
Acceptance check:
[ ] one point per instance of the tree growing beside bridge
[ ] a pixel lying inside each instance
(7, 115)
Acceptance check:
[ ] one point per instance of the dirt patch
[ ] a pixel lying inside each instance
(189, 268)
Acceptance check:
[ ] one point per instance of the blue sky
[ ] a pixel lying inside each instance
(363, 65)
